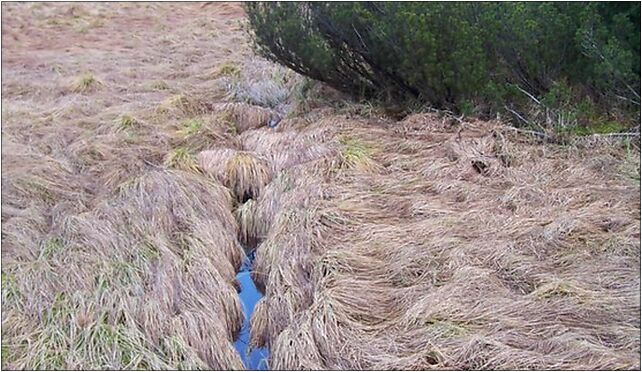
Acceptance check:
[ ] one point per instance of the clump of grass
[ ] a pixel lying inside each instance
(231, 129)
(227, 119)
(127, 184)
(182, 104)
(202, 133)
(365, 109)
(556, 289)
(181, 158)
(263, 84)
(630, 166)
(355, 154)
(245, 116)
(177, 100)
(251, 229)
(603, 127)
(58, 22)
(126, 122)
(85, 82)
(446, 328)
(9, 287)
(158, 85)
(228, 69)
(246, 175)
(84, 26)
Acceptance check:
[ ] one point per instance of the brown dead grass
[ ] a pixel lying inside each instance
(244, 173)
(432, 246)
(116, 255)
(381, 245)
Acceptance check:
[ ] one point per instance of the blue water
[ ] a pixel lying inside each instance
(255, 359)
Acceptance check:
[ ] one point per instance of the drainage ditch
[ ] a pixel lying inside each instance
(253, 358)
(256, 358)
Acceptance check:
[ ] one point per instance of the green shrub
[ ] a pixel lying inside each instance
(456, 56)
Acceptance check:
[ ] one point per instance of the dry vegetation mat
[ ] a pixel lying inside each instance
(424, 243)
(421, 244)
(117, 251)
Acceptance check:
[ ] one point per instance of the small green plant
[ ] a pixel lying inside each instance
(466, 108)
(9, 287)
(191, 127)
(596, 128)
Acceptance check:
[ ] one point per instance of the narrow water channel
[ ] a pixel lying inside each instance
(255, 359)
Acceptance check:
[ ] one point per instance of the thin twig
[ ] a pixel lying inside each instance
(520, 117)
(529, 95)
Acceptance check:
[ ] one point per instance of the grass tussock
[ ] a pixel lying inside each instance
(228, 69)
(181, 158)
(251, 228)
(245, 116)
(289, 148)
(261, 84)
(246, 175)
(355, 154)
(158, 85)
(126, 122)
(86, 82)
(182, 105)
(213, 162)
(203, 133)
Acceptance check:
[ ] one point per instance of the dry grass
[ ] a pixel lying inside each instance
(126, 122)
(261, 83)
(85, 82)
(111, 260)
(418, 244)
(183, 159)
(456, 248)
(246, 175)
(250, 230)
(129, 276)
(244, 116)
(203, 133)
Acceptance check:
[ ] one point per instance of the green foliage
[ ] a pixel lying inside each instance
(597, 128)
(466, 57)
(191, 127)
